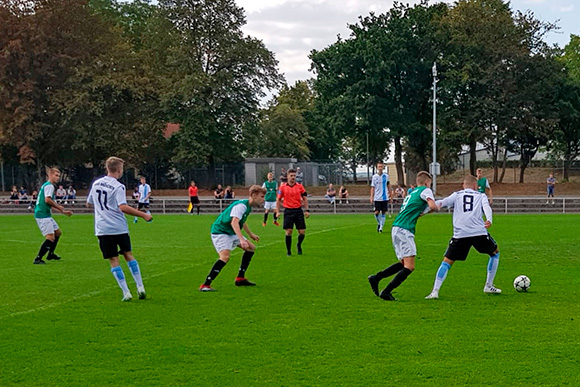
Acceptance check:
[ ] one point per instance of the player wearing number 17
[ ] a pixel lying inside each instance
(469, 229)
(109, 200)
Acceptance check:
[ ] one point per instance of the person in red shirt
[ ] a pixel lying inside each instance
(292, 196)
(193, 198)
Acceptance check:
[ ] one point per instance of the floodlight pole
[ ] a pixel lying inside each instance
(434, 169)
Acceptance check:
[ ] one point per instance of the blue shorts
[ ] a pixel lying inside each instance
(551, 190)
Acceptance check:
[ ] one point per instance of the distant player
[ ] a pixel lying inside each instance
(417, 203)
(483, 185)
(109, 200)
(469, 229)
(380, 190)
(143, 199)
(293, 197)
(44, 220)
(271, 187)
(551, 183)
(226, 235)
(193, 198)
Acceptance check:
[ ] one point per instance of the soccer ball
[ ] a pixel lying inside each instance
(522, 283)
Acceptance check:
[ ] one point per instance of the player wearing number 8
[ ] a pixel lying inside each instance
(109, 200)
(469, 230)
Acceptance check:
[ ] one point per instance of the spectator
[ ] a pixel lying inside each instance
(135, 195)
(330, 193)
(71, 194)
(551, 182)
(399, 192)
(60, 194)
(411, 188)
(343, 194)
(283, 176)
(229, 193)
(33, 202)
(22, 195)
(14, 195)
(299, 176)
(219, 192)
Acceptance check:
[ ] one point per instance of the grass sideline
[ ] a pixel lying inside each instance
(311, 321)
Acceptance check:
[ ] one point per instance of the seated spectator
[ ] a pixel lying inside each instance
(399, 192)
(135, 195)
(330, 194)
(71, 194)
(60, 194)
(411, 188)
(283, 176)
(343, 193)
(22, 195)
(229, 193)
(219, 192)
(14, 195)
(33, 202)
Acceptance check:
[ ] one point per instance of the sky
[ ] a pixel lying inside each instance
(292, 28)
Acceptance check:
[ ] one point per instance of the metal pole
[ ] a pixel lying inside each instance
(368, 167)
(434, 127)
(2, 168)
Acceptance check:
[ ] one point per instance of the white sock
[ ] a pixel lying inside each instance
(492, 265)
(378, 218)
(441, 275)
(383, 217)
(134, 267)
(120, 277)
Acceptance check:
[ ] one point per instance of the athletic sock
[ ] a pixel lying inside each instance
(198, 209)
(53, 246)
(300, 240)
(44, 248)
(377, 217)
(275, 217)
(398, 280)
(383, 217)
(492, 265)
(266, 217)
(120, 277)
(134, 266)
(441, 275)
(289, 244)
(215, 270)
(389, 271)
(246, 259)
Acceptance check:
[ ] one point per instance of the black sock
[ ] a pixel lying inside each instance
(198, 209)
(398, 280)
(300, 239)
(289, 243)
(266, 217)
(275, 217)
(389, 271)
(246, 259)
(44, 248)
(215, 270)
(53, 246)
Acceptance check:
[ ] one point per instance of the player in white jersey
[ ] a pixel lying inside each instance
(143, 197)
(109, 200)
(380, 195)
(469, 229)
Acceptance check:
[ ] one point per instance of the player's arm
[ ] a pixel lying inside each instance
(372, 193)
(126, 209)
(488, 213)
(56, 206)
(89, 203)
(279, 201)
(305, 206)
(448, 202)
(250, 233)
(236, 227)
(489, 191)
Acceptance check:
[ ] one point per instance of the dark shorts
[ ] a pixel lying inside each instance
(458, 248)
(142, 205)
(194, 200)
(382, 206)
(551, 190)
(114, 245)
(294, 217)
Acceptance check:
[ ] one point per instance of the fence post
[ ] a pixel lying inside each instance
(563, 205)
(164, 206)
(221, 205)
(334, 204)
(506, 206)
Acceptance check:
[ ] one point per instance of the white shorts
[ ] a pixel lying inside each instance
(403, 243)
(46, 225)
(225, 242)
(270, 205)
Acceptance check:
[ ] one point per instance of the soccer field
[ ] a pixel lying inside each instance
(312, 319)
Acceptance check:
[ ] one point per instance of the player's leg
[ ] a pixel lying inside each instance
(47, 229)
(440, 277)
(404, 242)
(241, 279)
(486, 245)
(375, 279)
(265, 215)
(57, 234)
(224, 257)
(301, 227)
(289, 220)
(108, 246)
(124, 243)
(377, 216)
(383, 216)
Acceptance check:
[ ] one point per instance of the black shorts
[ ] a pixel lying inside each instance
(142, 205)
(294, 217)
(114, 245)
(382, 206)
(458, 248)
(194, 200)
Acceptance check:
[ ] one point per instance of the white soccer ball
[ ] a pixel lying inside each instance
(522, 283)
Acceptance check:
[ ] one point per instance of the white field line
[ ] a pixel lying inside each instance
(110, 287)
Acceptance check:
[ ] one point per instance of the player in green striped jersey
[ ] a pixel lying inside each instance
(417, 203)
(271, 187)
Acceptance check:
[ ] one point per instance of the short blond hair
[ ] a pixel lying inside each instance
(114, 164)
(470, 179)
(256, 189)
(422, 177)
(51, 170)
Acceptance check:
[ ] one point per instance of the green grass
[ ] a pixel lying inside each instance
(312, 319)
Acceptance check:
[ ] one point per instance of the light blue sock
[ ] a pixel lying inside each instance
(441, 275)
(383, 217)
(492, 265)
(134, 266)
(377, 217)
(120, 277)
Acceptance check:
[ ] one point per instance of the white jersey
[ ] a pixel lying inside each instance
(106, 195)
(380, 184)
(144, 190)
(469, 208)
